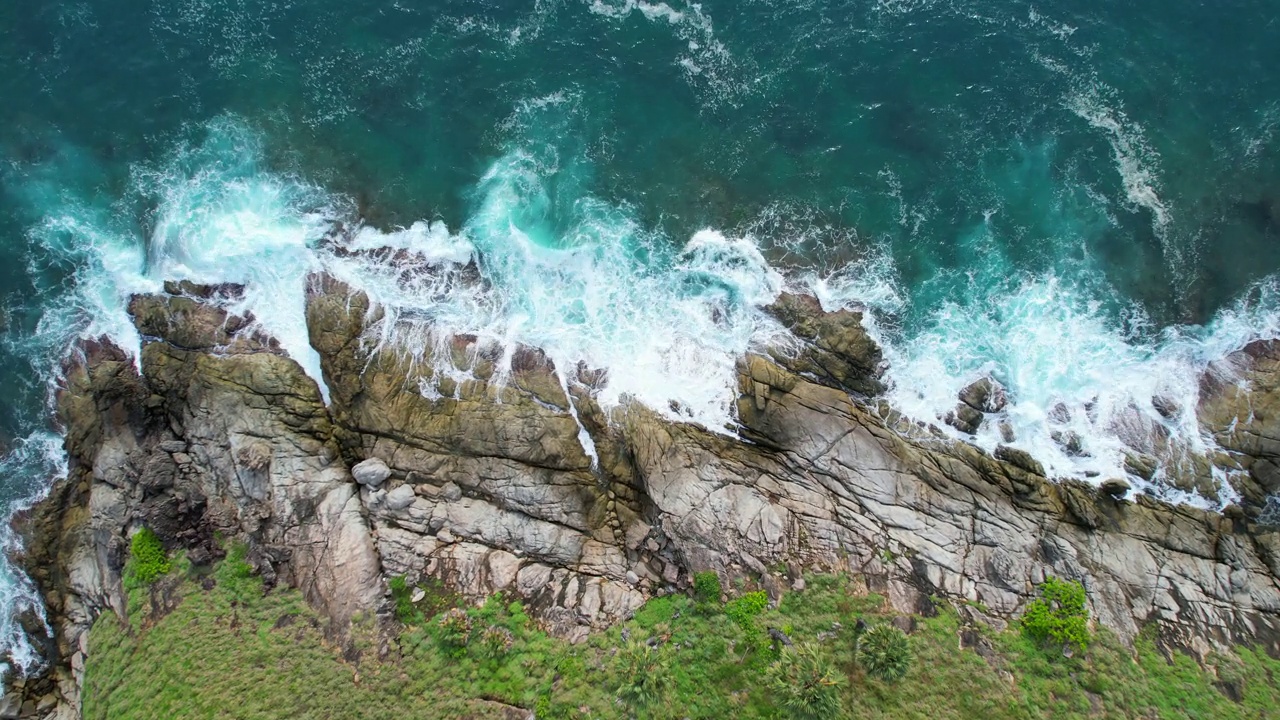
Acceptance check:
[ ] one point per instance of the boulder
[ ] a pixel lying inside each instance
(985, 395)
(371, 472)
(399, 498)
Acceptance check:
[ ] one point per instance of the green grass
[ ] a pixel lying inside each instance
(234, 651)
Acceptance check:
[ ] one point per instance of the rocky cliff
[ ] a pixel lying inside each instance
(492, 470)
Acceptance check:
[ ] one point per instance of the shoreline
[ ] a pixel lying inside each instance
(487, 487)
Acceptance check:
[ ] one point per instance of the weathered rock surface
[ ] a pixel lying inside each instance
(445, 464)
(1240, 406)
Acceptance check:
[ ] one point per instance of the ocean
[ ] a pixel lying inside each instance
(1080, 199)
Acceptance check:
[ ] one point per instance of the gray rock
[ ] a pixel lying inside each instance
(372, 472)
(632, 578)
(451, 492)
(399, 498)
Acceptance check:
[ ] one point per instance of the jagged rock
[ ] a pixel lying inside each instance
(985, 395)
(836, 348)
(1070, 441)
(965, 419)
(1141, 465)
(1006, 432)
(1240, 407)
(1019, 458)
(1168, 408)
(371, 472)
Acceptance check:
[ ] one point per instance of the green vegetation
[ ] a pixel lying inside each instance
(235, 651)
(884, 653)
(645, 675)
(805, 685)
(148, 559)
(707, 590)
(1058, 615)
(402, 598)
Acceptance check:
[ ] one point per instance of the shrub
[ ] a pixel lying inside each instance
(496, 641)
(646, 674)
(402, 596)
(706, 588)
(804, 685)
(150, 560)
(455, 628)
(743, 611)
(884, 653)
(1059, 614)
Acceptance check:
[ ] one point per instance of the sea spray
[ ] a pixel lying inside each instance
(542, 262)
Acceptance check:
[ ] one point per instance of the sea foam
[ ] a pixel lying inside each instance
(547, 264)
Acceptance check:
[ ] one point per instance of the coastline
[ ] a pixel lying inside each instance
(487, 486)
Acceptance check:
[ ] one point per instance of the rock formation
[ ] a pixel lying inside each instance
(492, 470)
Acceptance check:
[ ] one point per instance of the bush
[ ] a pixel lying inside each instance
(496, 641)
(150, 560)
(804, 685)
(884, 653)
(1058, 615)
(455, 628)
(743, 611)
(646, 674)
(706, 588)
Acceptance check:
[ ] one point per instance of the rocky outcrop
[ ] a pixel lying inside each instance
(1240, 406)
(494, 471)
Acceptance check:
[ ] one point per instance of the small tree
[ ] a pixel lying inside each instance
(1059, 614)
(804, 685)
(884, 653)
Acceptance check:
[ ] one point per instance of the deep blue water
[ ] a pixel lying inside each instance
(1079, 197)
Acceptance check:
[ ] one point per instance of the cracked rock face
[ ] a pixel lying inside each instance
(484, 484)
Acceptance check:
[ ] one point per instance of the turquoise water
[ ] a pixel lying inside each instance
(1080, 198)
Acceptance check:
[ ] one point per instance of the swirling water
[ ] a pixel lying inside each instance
(1081, 200)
